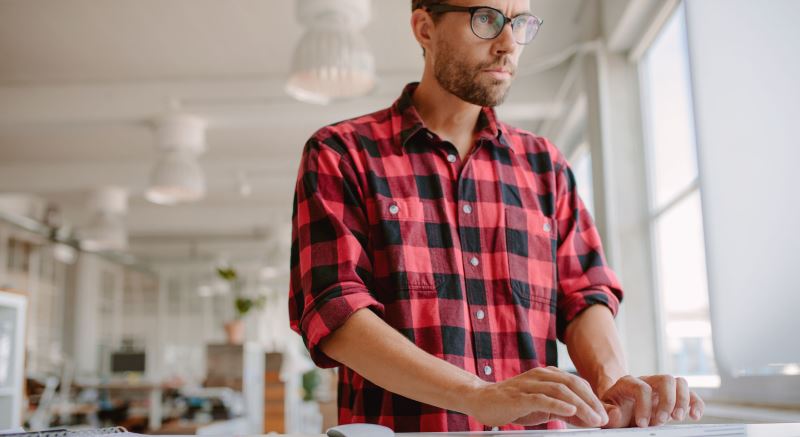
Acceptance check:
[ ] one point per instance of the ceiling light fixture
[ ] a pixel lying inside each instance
(177, 176)
(106, 228)
(332, 59)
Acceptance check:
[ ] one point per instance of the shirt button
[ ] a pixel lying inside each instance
(394, 209)
(480, 315)
(547, 227)
(451, 158)
(474, 261)
(467, 209)
(487, 370)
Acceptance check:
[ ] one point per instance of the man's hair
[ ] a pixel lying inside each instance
(416, 4)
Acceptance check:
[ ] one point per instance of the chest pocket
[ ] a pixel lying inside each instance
(531, 242)
(402, 240)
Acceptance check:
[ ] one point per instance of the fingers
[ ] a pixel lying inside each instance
(544, 394)
(681, 399)
(581, 387)
(544, 408)
(651, 400)
(552, 405)
(560, 391)
(697, 406)
(664, 387)
(642, 394)
(576, 421)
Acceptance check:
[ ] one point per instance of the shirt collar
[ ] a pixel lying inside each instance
(407, 123)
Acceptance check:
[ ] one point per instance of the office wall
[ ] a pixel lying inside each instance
(745, 68)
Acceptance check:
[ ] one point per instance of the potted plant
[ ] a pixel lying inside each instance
(311, 380)
(243, 304)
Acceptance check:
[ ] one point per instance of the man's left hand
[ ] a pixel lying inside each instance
(650, 401)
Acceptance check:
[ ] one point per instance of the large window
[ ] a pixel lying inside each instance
(676, 225)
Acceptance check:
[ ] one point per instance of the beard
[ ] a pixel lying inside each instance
(462, 79)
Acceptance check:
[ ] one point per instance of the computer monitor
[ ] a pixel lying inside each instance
(123, 362)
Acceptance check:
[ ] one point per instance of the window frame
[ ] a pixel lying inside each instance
(654, 211)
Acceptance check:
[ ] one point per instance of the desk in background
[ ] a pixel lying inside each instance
(154, 391)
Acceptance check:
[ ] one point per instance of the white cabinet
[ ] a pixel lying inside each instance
(12, 347)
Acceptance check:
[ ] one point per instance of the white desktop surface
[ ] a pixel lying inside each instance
(710, 430)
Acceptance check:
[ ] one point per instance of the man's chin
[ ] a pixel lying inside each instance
(497, 96)
(490, 102)
(486, 93)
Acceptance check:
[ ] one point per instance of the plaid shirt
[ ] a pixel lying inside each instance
(481, 262)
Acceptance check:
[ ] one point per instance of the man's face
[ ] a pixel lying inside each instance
(477, 71)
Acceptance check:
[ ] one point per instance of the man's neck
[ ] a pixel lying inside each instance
(451, 118)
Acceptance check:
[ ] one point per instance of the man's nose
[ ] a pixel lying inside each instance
(505, 43)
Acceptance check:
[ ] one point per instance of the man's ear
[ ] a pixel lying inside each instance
(422, 25)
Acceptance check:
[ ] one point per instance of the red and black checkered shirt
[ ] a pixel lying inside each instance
(481, 262)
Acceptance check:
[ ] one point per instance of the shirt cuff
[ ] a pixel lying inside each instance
(578, 301)
(329, 311)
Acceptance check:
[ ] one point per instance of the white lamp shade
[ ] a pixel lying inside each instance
(176, 178)
(110, 199)
(331, 64)
(104, 232)
(317, 14)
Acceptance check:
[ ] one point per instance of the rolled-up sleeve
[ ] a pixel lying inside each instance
(584, 277)
(330, 266)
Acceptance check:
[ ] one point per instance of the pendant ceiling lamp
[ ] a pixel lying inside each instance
(332, 59)
(106, 228)
(177, 176)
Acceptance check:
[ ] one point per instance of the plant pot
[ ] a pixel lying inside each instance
(234, 330)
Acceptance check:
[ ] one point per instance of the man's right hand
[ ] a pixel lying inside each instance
(535, 397)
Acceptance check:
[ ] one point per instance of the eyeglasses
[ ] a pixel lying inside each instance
(488, 23)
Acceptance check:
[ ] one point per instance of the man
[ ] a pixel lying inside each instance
(438, 253)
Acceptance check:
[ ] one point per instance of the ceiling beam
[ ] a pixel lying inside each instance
(627, 22)
(221, 103)
(60, 178)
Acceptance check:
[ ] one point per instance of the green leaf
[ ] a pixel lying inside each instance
(243, 305)
(227, 273)
(311, 380)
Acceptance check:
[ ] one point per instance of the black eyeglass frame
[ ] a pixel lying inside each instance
(441, 8)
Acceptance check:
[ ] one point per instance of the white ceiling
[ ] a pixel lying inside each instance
(68, 41)
(79, 80)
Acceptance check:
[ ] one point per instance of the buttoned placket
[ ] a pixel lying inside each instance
(467, 216)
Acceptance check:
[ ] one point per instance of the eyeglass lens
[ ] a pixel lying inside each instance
(487, 23)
